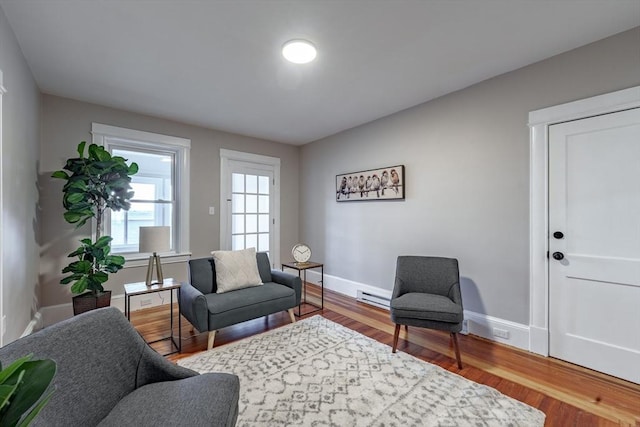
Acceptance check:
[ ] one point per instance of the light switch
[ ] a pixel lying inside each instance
(212, 210)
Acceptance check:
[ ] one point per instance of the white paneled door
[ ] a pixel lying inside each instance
(250, 197)
(594, 243)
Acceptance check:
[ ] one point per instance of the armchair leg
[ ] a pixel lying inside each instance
(396, 333)
(212, 336)
(457, 349)
(291, 315)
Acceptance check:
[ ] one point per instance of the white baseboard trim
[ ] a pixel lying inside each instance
(34, 325)
(517, 335)
(344, 286)
(539, 340)
(55, 313)
(485, 326)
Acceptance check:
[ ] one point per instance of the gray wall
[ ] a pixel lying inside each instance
(66, 122)
(467, 171)
(20, 141)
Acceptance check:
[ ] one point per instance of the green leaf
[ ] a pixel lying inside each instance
(103, 241)
(115, 259)
(81, 148)
(13, 367)
(133, 168)
(80, 286)
(69, 279)
(101, 277)
(72, 217)
(93, 148)
(74, 198)
(60, 174)
(36, 410)
(37, 377)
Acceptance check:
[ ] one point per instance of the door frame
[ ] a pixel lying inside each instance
(258, 159)
(3, 321)
(539, 122)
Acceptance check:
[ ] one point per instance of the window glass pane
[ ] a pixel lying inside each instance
(125, 225)
(263, 242)
(263, 185)
(252, 240)
(237, 242)
(237, 183)
(237, 204)
(263, 223)
(237, 224)
(142, 191)
(263, 204)
(252, 184)
(118, 224)
(252, 203)
(155, 174)
(252, 223)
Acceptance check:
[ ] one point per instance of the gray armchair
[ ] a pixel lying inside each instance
(427, 294)
(108, 376)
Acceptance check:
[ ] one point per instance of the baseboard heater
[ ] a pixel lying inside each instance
(373, 299)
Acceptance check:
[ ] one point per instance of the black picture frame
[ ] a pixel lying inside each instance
(386, 183)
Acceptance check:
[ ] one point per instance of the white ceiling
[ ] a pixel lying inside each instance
(217, 63)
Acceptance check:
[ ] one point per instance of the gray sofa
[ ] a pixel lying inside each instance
(209, 311)
(108, 376)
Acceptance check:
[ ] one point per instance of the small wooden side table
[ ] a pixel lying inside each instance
(141, 288)
(302, 268)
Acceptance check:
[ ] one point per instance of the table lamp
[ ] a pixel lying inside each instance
(153, 240)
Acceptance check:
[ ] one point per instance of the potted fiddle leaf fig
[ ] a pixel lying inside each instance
(22, 390)
(94, 183)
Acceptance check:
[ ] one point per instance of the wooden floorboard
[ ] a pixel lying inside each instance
(568, 394)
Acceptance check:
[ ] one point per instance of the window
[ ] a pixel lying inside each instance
(161, 187)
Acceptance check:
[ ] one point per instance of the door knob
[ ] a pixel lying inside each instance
(558, 256)
(558, 235)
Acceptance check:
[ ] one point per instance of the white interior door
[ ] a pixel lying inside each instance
(250, 206)
(594, 266)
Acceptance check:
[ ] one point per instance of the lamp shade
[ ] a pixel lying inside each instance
(154, 239)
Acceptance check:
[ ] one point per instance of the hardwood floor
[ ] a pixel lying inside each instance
(568, 394)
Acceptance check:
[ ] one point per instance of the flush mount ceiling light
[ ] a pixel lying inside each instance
(299, 51)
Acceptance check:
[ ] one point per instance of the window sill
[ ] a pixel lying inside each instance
(142, 260)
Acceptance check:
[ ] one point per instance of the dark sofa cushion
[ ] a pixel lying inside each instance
(427, 307)
(249, 303)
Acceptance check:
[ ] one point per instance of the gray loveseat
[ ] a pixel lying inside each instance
(209, 311)
(108, 376)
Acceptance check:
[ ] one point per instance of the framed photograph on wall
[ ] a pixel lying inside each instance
(371, 185)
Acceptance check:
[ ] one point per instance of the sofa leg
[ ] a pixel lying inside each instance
(212, 336)
(291, 315)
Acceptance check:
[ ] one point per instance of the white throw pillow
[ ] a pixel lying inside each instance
(236, 270)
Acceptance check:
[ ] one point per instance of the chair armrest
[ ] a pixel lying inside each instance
(154, 368)
(455, 294)
(398, 288)
(193, 306)
(289, 280)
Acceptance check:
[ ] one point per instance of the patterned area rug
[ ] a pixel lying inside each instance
(318, 373)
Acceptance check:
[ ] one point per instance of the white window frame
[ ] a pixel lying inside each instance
(123, 138)
(3, 321)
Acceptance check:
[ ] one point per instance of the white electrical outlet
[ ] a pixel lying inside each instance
(212, 210)
(144, 302)
(501, 333)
